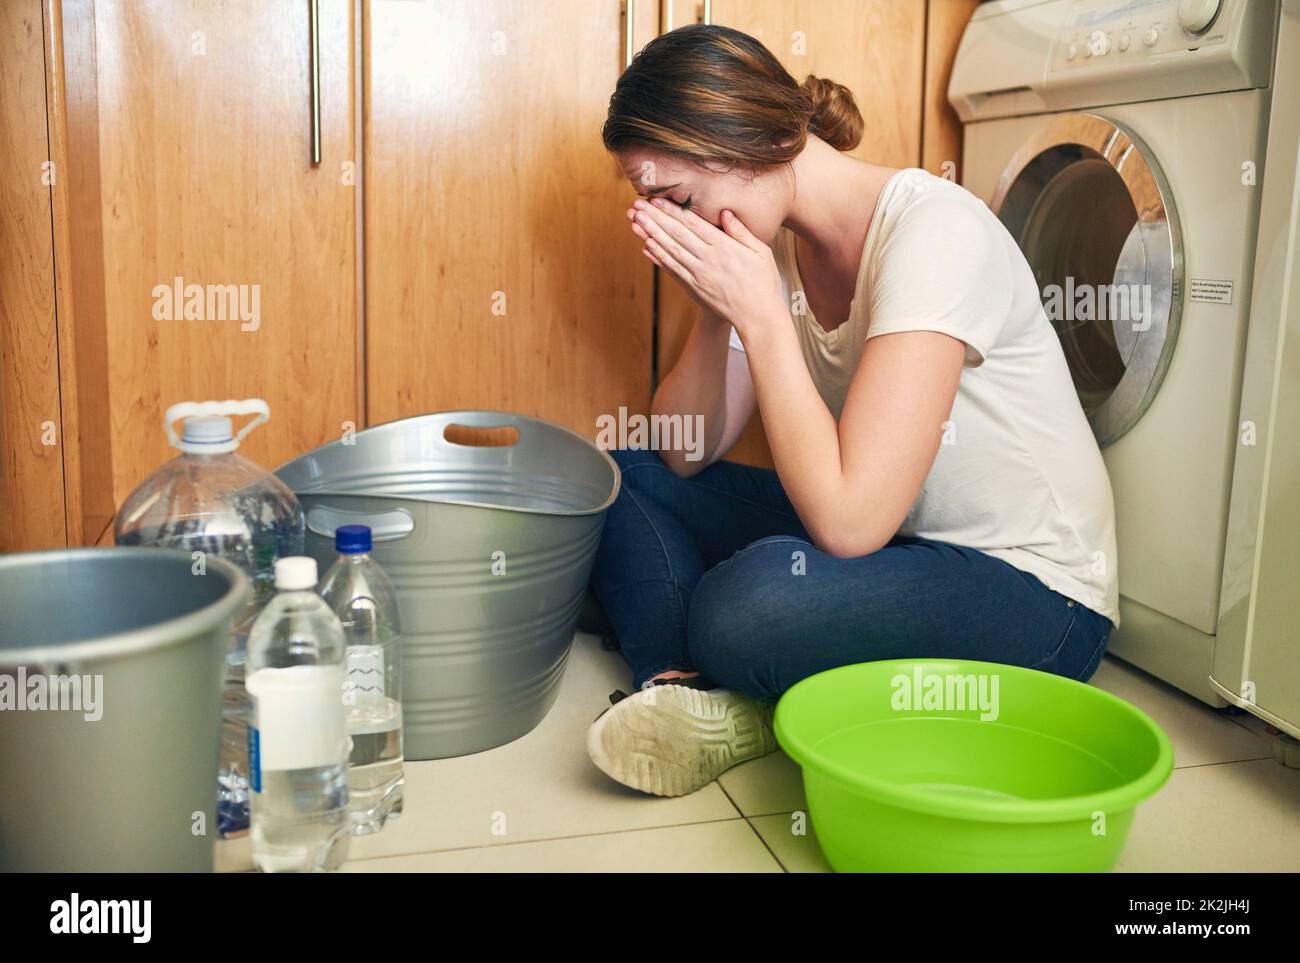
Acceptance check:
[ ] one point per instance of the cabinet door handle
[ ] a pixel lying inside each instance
(629, 49)
(315, 82)
(708, 11)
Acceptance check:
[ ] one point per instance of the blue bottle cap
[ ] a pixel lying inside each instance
(352, 539)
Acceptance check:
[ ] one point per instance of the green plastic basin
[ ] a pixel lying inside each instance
(956, 766)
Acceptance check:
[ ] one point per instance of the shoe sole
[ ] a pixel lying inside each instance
(672, 740)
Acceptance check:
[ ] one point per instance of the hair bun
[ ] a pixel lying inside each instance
(834, 114)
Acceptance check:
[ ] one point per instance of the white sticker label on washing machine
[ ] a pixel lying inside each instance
(1211, 291)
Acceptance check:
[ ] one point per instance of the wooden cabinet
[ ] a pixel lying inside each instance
(208, 257)
(462, 247)
(876, 48)
(945, 21)
(499, 269)
(31, 422)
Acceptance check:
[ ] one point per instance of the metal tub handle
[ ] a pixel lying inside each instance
(387, 526)
(487, 434)
(480, 436)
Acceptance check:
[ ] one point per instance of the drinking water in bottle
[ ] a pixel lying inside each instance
(361, 595)
(297, 735)
(212, 501)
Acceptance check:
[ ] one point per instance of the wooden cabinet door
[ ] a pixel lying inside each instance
(941, 135)
(31, 466)
(500, 273)
(876, 48)
(873, 47)
(188, 128)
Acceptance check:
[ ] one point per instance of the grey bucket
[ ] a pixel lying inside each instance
(482, 653)
(121, 793)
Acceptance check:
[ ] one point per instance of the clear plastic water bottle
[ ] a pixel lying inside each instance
(210, 500)
(361, 595)
(297, 734)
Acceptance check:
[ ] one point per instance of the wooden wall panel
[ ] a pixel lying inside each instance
(73, 120)
(941, 138)
(499, 269)
(183, 135)
(202, 171)
(31, 464)
(873, 47)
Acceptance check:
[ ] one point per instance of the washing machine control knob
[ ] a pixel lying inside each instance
(1196, 16)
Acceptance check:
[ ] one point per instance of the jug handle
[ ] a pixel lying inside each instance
(188, 409)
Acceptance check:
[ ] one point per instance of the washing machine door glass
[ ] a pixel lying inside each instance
(1093, 215)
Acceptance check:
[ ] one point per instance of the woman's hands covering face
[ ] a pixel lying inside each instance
(729, 272)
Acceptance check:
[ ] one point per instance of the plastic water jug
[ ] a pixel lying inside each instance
(212, 501)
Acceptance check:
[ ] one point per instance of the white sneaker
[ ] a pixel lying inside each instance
(671, 740)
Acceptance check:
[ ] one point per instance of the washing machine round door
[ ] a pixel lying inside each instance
(1093, 214)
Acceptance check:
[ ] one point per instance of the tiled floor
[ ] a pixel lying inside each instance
(539, 804)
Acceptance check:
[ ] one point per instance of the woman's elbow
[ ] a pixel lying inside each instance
(850, 542)
(686, 469)
(682, 466)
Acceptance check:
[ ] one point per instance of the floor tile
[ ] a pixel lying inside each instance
(729, 846)
(232, 855)
(772, 784)
(540, 786)
(1249, 721)
(539, 804)
(793, 842)
(1232, 817)
(1200, 735)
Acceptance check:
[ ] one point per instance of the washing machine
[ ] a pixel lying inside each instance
(1122, 144)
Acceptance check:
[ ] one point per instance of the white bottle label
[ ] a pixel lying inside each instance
(299, 716)
(365, 682)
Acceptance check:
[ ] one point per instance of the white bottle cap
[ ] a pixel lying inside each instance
(200, 430)
(295, 573)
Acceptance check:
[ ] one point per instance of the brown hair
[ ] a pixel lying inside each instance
(714, 95)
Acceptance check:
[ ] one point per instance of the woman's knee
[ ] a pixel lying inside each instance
(736, 614)
(629, 460)
(636, 469)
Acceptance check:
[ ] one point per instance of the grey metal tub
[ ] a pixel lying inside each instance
(120, 777)
(487, 522)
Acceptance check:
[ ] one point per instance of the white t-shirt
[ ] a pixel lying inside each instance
(1019, 475)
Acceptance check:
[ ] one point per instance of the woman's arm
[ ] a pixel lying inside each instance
(694, 388)
(851, 482)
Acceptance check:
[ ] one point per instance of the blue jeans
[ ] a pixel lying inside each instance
(716, 574)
